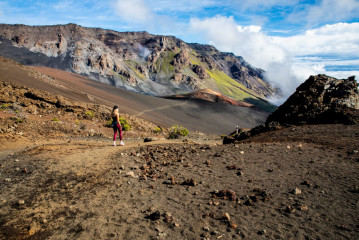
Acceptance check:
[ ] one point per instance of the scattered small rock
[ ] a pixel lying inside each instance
(226, 217)
(233, 225)
(168, 218)
(297, 191)
(289, 209)
(231, 167)
(206, 229)
(306, 183)
(226, 195)
(262, 232)
(303, 208)
(355, 189)
(343, 227)
(240, 173)
(130, 174)
(21, 202)
(147, 139)
(190, 182)
(154, 216)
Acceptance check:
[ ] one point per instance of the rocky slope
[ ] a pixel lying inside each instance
(196, 115)
(136, 61)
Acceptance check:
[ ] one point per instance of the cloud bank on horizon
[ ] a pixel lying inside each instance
(289, 39)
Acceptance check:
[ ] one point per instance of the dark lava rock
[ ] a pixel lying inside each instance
(320, 99)
(154, 216)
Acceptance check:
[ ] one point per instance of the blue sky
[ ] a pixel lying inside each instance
(290, 39)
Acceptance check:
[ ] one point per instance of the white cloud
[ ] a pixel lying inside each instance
(260, 4)
(181, 6)
(339, 38)
(333, 10)
(136, 11)
(251, 28)
(277, 55)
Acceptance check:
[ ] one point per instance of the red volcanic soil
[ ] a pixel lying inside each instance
(210, 95)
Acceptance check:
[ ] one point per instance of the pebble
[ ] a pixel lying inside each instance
(303, 208)
(163, 234)
(206, 229)
(130, 174)
(17, 160)
(297, 191)
(122, 167)
(227, 217)
(240, 173)
(21, 202)
(241, 152)
(7, 179)
(262, 232)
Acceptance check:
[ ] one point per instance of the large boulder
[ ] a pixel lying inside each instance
(320, 99)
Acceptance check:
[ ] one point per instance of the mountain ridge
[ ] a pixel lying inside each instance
(137, 61)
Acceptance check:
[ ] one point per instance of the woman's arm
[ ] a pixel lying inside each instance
(118, 117)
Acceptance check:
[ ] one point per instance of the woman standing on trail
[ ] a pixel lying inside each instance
(116, 125)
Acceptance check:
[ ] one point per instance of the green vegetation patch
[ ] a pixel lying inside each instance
(123, 122)
(89, 115)
(17, 119)
(4, 106)
(228, 86)
(194, 60)
(158, 130)
(231, 88)
(164, 64)
(177, 132)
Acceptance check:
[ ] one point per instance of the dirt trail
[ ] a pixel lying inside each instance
(160, 108)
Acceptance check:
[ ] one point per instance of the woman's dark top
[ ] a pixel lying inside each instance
(114, 120)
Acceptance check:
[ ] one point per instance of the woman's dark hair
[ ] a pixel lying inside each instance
(115, 107)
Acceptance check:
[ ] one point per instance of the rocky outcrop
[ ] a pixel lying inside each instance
(181, 59)
(136, 61)
(200, 71)
(320, 99)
